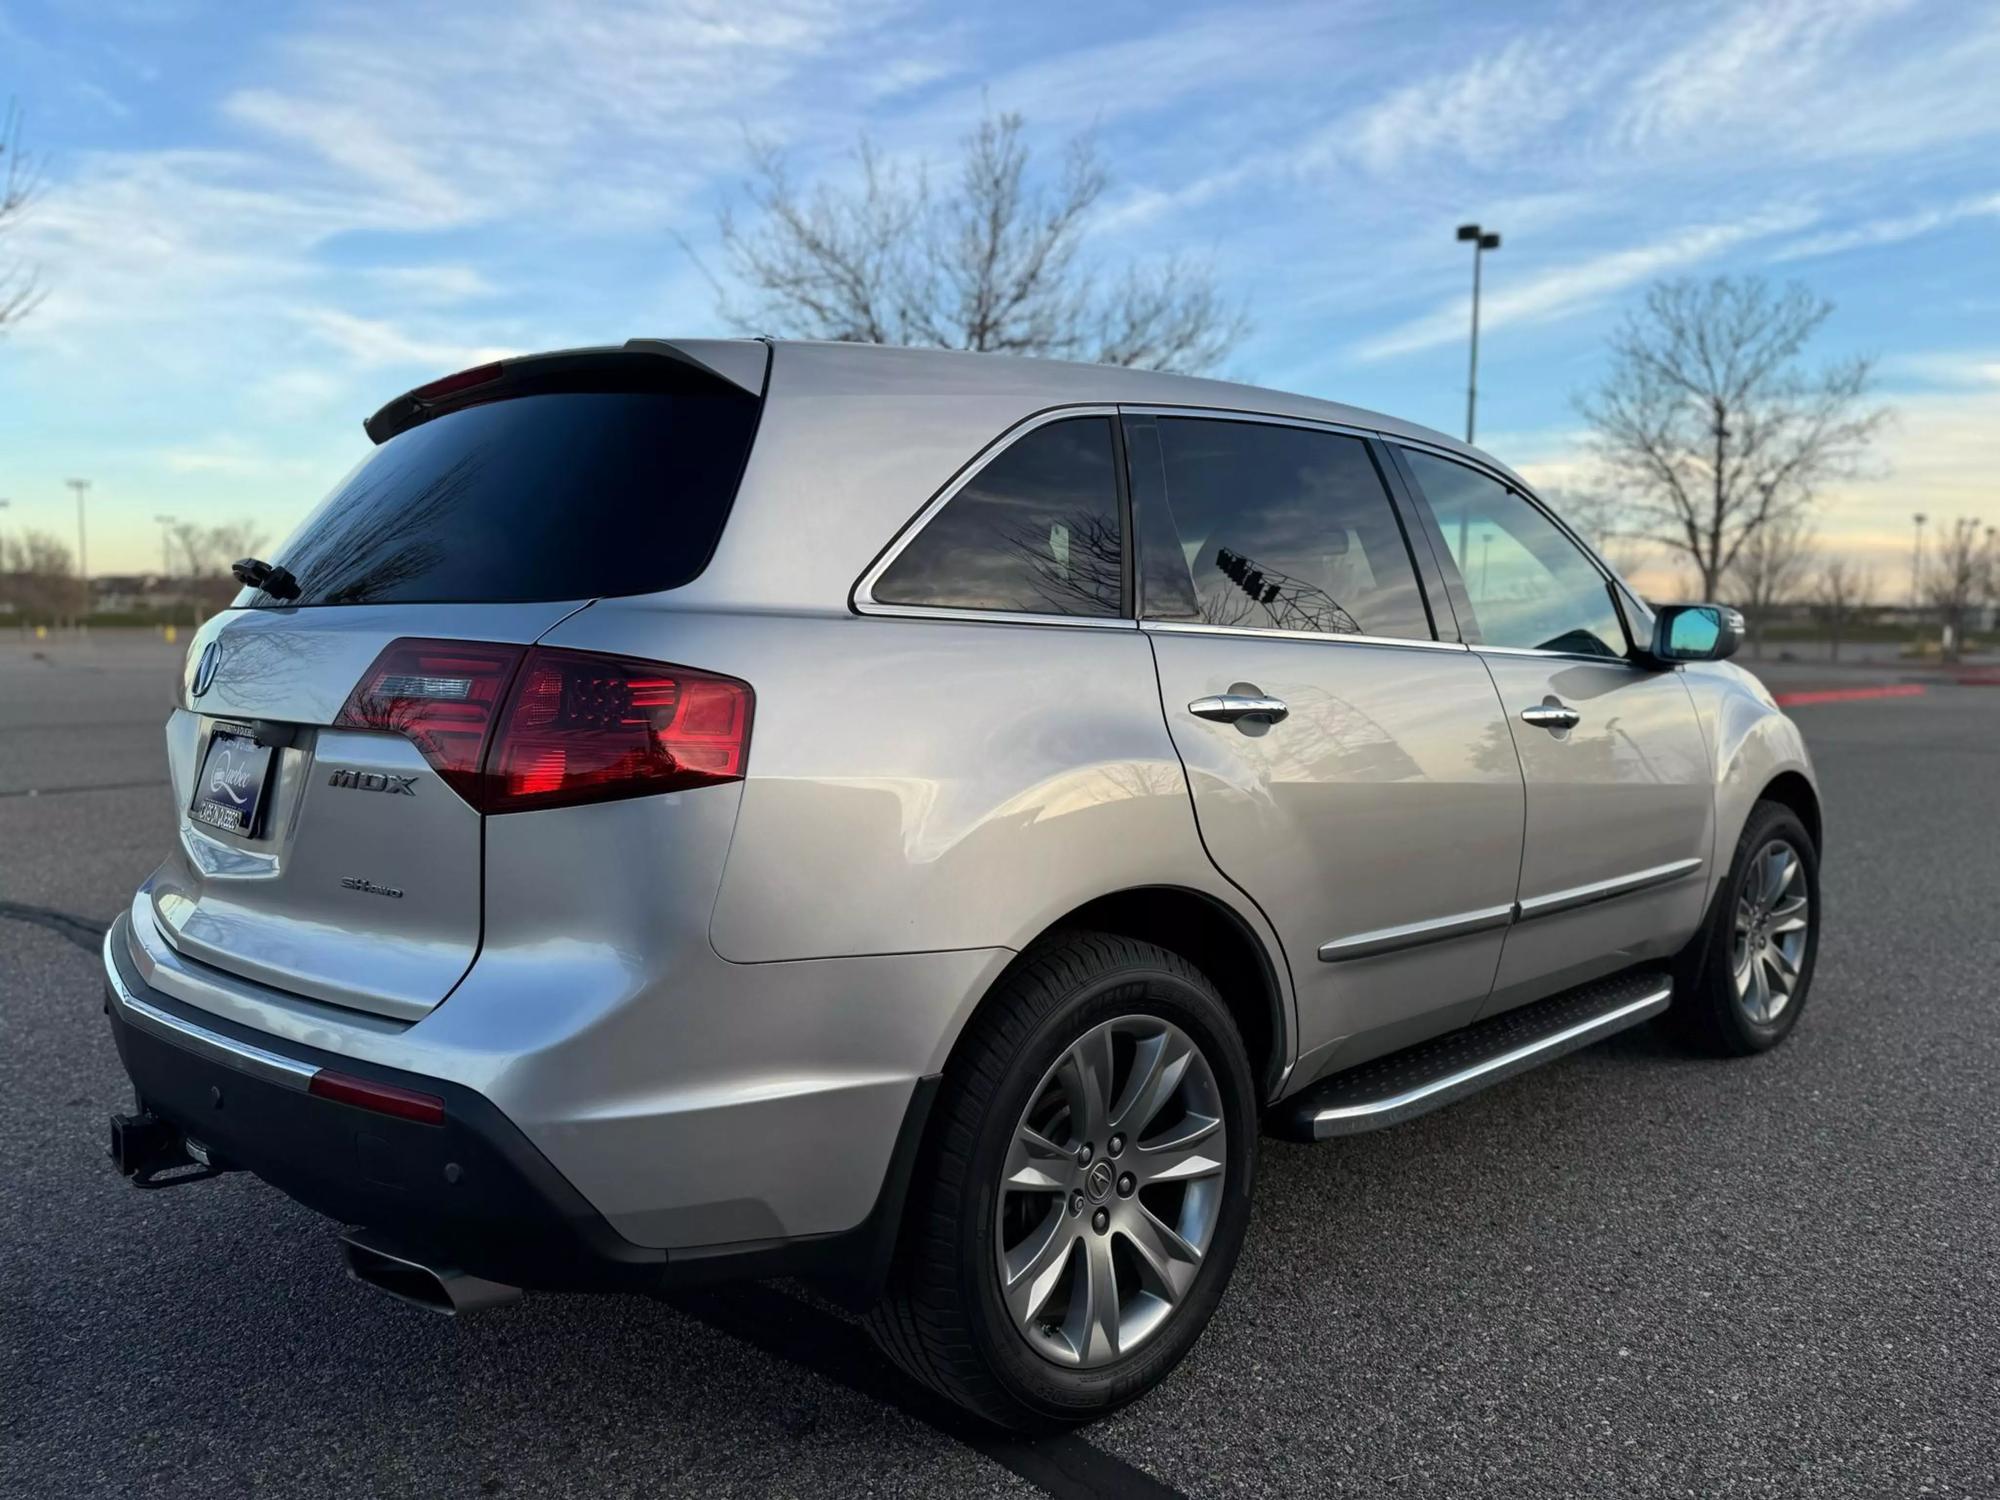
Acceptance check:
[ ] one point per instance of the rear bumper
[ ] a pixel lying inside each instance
(472, 1191)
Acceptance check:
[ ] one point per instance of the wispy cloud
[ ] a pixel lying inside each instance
(1474, 116)
(1892, 229)
(445, 283)
(373, 342)
(1570, 288)
(1945, 368)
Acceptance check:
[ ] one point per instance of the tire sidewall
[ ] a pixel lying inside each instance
(1768, 822)
(1049, 1390)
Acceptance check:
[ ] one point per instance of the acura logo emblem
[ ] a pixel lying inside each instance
(204, 672)
(1099, 1181)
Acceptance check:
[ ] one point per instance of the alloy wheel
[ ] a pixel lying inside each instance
(1773, 923)
(1110, 1191)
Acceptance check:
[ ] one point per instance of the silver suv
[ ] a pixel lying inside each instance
(911, 820)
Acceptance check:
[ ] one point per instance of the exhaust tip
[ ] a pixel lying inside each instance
(439, 1289)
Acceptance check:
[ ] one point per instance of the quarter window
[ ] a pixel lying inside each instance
(1529, 584)
(1283, 528)
(1036, 531)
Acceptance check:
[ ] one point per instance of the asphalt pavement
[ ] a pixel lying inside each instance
(1629, 1272)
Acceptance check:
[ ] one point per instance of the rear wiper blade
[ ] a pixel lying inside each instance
(254, 572)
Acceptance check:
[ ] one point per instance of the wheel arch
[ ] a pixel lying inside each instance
(1208, 933)
(1793, 790)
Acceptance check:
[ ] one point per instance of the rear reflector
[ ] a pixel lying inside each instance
(382, 1098)
(575, 726)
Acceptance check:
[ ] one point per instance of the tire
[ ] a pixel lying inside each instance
(945, 1319)
(1712, 1010)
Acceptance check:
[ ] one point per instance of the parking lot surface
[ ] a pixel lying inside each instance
(1631, 1271)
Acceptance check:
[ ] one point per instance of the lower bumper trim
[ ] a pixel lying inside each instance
(470, 1192)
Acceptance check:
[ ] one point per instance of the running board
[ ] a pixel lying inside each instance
(1419, 1079)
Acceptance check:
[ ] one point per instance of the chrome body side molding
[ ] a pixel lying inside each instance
(1605, 890)
(1441, 929)
(1394, 939)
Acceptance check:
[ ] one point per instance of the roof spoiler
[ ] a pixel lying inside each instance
(639, 364)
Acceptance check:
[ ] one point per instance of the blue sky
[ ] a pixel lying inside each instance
(261, 221)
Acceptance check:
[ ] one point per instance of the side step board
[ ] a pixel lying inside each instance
(1419, 1079)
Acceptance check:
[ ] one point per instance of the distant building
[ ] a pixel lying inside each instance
(138, 593)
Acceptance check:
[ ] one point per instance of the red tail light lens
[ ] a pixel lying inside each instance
(586, 728)
(511, 728)
(443, 695)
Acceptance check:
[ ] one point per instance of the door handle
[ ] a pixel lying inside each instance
(1227, 708)
(1551, 713)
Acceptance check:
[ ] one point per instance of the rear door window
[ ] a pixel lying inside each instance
(574, 495)
(1284, 528)
(1530, 586)
(1036, 531)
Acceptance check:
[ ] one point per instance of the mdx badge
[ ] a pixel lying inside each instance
(373, 781)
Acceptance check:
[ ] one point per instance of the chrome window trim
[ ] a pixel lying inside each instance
(862, 597)
(1589, 656)
(1196, 627)
(1226, 414)
(256, 1061)
(1339, 429)
(992, 616)
(1606, 890)
(1499, 475)
(1413, 934)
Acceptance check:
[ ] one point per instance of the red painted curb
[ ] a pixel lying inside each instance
(1851, 695)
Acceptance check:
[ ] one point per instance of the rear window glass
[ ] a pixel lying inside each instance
(1034, 532)
(1288, 528)
(562, 496)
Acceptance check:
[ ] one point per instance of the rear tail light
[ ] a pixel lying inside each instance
(587, 728)
(512, 729)
(443, 695)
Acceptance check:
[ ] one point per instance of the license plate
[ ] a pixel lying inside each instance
(229, 793)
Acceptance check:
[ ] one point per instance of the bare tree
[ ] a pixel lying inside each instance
(202, 555)
(38, 577)
(1600, 518)
(1841, 591)
(20, 180)
(1707, 427)
(1769, 569)
(1961, 575)
(996, 264)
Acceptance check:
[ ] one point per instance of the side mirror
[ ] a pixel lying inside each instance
(1696, 632)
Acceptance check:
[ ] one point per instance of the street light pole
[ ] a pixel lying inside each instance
(1917, 564)
(1481, 243)
(82, 487)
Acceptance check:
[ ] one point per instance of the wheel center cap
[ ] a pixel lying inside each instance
(1098, 1180)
